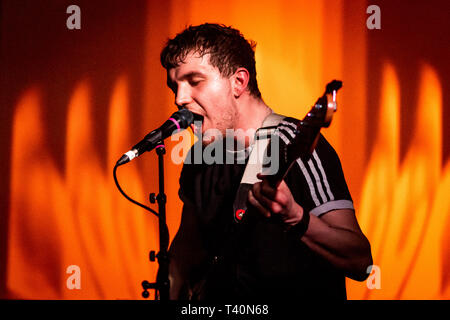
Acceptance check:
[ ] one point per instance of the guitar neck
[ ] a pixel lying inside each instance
(301, 147)
(301, 142)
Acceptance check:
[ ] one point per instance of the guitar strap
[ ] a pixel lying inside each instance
(254, 163)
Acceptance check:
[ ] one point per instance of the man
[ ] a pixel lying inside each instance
(211, 71)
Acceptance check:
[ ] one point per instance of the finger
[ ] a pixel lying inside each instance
(281, 195)
(268, 204)
(260, 196)
(260, 176)
(258, 205)
(268, 190)
(265, 178)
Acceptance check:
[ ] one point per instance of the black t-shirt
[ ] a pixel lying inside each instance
(256, 259)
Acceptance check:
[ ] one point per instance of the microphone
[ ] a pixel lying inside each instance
(177, 121)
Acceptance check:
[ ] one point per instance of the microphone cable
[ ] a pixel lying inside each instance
(129, 198)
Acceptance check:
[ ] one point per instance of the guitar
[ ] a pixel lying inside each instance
(295, 139)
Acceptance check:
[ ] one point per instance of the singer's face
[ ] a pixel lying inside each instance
(199, 87)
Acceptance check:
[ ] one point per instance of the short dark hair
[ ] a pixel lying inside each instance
(228, 50)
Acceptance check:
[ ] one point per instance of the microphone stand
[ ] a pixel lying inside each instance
(162, 284)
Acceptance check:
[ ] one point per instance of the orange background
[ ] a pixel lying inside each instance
(74, 100)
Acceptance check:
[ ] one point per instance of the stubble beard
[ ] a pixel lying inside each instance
(226, 123)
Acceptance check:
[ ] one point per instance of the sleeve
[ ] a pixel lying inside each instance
(318, 184)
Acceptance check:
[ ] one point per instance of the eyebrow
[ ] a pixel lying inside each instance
(192, 74)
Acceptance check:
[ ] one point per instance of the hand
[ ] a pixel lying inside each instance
(277, 202)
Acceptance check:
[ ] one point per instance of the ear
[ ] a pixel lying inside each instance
(239, 81)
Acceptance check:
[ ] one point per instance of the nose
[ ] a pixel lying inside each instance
(183, 97)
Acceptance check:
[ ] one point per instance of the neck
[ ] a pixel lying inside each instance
(251, 113)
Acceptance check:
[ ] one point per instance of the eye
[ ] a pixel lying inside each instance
(194, 82)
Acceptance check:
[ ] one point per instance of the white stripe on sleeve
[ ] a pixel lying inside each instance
(318, 183)
(325, 180)
(309, 181)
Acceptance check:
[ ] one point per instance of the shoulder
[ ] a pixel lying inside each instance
(319, 181)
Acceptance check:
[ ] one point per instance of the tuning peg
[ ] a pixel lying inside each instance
(317, 106)
(334, 85)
